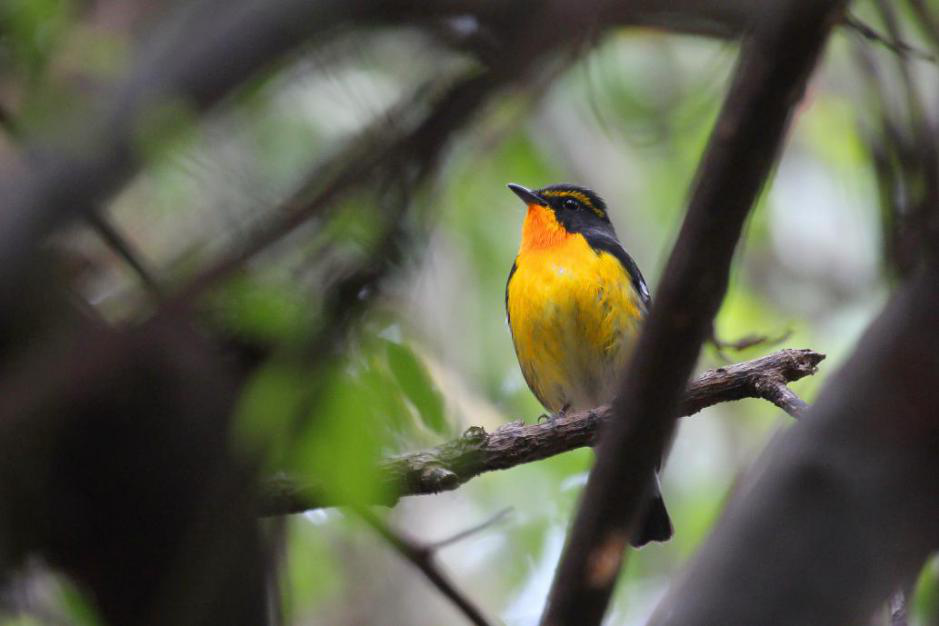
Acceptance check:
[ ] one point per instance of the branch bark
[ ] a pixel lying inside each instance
(774, 66)
(850, 490)
(452, 464)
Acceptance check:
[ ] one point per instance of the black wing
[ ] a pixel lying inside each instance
(607, 242)
(508, 316)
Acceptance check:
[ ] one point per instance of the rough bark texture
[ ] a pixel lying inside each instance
(452, 464)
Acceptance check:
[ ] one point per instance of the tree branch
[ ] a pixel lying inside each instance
(206, 51)
(450, 465)
(124, 249)
(422, 557)
(850, 490)
(472, 531)
(774, 65)
(893, 44)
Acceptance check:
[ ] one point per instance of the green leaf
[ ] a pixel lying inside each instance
(35, 29)
(417, 385)
(925, 601)
(79, 608)
(262, 311)
(271, 403)
(343, 439)
(382, 386)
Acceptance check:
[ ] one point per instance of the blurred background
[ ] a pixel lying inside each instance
(424, 352)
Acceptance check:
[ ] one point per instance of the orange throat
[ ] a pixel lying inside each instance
(541, 230)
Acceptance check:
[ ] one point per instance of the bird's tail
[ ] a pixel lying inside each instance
(654, 523)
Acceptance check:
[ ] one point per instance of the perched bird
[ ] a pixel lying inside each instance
(575, 300)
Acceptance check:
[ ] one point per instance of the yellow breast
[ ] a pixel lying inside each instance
(574, 316)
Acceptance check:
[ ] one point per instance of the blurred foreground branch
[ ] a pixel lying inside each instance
(854, 483)
(448, 466)
(204, 53)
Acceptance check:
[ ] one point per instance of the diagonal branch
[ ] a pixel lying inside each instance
(892, 43)
(208, 49)
(124, 249)
(774, 66)
(422, 557)
(472, 531)
(450, 465)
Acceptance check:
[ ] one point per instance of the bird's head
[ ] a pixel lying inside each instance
(559, 211)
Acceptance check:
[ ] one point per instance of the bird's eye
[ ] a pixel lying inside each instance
(571, 204)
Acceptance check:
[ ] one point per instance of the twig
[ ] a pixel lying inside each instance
(422, 557)
(774, 66)
(904, 157)
(472, 531)
(776, 392)
(889, 151)
(922, 158)
(208, 49)
(745, 342)
(892, 43)
(927, 20)
(200, 55)
(99, 223)
(450, 465)
(358, 164)
(125, 250)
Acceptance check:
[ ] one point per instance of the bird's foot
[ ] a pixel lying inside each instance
(552, 418)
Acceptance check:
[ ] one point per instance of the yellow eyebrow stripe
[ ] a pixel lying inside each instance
(577, 196)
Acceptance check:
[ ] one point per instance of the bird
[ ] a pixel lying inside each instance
(575, 301)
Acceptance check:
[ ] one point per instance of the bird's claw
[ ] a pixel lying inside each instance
(551, 418)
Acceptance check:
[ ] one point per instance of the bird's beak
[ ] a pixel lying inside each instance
(528, 197)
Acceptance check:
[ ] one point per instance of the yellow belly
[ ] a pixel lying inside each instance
(574, 317)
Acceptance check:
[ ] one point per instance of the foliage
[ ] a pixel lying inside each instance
(432, 356)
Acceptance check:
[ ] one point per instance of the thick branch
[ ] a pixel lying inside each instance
(851, 491)
(452, 464)
(774, 66)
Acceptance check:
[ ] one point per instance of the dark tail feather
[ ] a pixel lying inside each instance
(654, 524)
